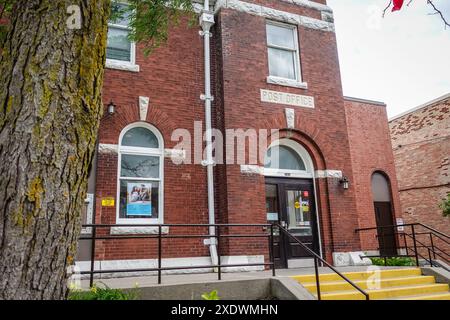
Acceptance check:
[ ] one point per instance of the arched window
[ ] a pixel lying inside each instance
(288, 158)
(140, 175)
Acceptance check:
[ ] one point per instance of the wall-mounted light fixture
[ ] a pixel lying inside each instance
(344, 182)
(111, 108)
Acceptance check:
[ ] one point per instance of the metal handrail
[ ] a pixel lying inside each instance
(159, 236)
(431, 248)
(317, 257)
(405, 225)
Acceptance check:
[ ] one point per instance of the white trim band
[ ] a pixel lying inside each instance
(328, 174)
(274, 14)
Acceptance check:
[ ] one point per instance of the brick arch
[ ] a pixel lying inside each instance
(307, 142)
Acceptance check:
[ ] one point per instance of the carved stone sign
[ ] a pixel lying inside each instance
(287, 98)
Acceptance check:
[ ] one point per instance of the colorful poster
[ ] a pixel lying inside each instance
(139, 199)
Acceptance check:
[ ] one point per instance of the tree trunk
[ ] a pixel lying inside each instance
(50, 106)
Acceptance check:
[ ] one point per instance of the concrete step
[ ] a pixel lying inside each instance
(437, 296)
(360, 275)
(388, 293)
(329, 286)
(385, 284)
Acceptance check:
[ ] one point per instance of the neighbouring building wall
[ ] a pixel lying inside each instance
(371, 151)
(421, 144)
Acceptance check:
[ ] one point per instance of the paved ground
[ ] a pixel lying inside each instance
(170, 279)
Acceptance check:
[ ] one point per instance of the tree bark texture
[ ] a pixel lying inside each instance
(50, 106)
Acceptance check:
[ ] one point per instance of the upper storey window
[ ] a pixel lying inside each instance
(283, 51)
(120, 51)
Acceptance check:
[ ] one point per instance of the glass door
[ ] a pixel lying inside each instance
(290, 202)
(299, 217)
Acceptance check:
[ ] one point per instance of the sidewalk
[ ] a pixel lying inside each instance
(188, 278)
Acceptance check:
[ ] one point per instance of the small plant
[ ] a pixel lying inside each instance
(213, 295)
(445, 206)
(394, 262)
(106, 293)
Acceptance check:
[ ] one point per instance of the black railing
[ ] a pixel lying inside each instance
(317, 258)
(159, 236)
(417, 248)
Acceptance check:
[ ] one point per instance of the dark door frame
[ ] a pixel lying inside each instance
(284, 184)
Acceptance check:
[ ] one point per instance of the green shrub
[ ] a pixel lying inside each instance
(445, 206)
(106, 293)
(394, 262)
(213, 295)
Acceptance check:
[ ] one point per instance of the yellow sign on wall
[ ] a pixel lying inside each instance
(108, 202)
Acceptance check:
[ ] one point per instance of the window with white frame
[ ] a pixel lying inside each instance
(283, 52)
(140, 172)
(119, 47)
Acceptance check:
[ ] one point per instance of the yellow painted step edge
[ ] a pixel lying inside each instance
(363, 284)
(360, 275)
(387, 293)
(444, 296)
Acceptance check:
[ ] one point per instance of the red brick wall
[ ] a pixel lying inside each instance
(172, 77)
(244, 61)
(421, 144)
(371, 151)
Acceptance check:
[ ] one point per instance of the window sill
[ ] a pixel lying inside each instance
(121, 65)
(287, 82)
(138, 230)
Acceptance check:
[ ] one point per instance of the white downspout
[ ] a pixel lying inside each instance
(206, 22)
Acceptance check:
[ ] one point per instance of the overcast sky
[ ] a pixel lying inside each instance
(402, 59)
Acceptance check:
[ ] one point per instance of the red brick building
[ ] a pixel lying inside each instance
(274, 66)
(421, 145)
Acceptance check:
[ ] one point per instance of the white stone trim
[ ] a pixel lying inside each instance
(170, 262)
(107, 148)
(311, 5)
(138, 230)
(177, 155)
(121, 65)
(287, 82)
(251, 169)
(143, 107)
(327, 16)
(328, 174)
(300, 263)
(301, 3)
(290, 117)
(274, 14)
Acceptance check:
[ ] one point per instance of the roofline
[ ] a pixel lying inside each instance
(427, 104)
(378, 103)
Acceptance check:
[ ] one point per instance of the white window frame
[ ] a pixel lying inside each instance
(301, 152)
(297, 82)
(121, 64)
(154, 152)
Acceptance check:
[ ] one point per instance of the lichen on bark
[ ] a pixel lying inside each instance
(50, 106)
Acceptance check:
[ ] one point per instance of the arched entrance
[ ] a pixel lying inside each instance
(381, 193)
(290, 200)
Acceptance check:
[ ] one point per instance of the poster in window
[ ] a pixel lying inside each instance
(139, 199)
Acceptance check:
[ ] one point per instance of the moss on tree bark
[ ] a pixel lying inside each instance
(50, 106)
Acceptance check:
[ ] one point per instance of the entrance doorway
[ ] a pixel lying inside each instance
(383, 214)
(291, 203)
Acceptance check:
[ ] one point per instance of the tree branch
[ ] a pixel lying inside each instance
(430, 2)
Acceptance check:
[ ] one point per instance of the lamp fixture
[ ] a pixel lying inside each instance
(344, 182)
(111, 108)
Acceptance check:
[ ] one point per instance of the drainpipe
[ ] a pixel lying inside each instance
(206, 22)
